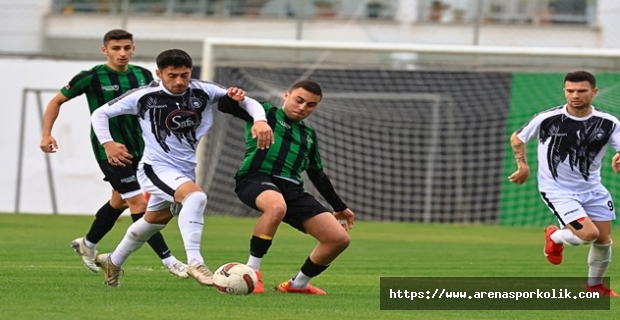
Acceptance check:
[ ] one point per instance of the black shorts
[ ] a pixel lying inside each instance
(122, 179)
(300, 205)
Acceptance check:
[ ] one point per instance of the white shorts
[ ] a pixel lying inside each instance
(161, 182)
(596, 205)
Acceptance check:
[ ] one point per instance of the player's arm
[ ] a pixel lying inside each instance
(227, 105)
(323, 184)
(614, 142)
(517, 142)
(117, 153)
(48, 142)
(235, 102)
(523, 169)
(615, 162)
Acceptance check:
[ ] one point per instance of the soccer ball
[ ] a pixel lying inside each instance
(234, 278)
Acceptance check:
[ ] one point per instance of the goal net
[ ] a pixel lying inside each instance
(413, 133)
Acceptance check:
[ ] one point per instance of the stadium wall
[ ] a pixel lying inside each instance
(78, 181)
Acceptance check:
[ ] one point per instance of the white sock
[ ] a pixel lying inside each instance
(191, 222)
(598, 260)
(567, 236)
(89, 244)
(168, 261)
(135, 237)
(254, 262)
(300, 281)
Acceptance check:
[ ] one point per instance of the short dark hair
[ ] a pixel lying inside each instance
(578, 76)
(117, 34)
(309, 86)
(173, 57)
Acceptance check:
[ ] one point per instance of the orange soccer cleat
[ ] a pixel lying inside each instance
(553, 251)
(260, 287)
(309, 289)
(602, 290)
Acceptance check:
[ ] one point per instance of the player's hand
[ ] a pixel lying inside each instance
(345, 218)
(262, 131)
(236, 93)
(520, 176)
(117, 154)
(615, 162)
(48, 144)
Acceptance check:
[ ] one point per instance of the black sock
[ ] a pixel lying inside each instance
(312, 269)
(259, 246)
(156, 241)
(105, 219)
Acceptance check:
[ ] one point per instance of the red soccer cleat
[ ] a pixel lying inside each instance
(553, 251)
(260, 287)
(309, 289)
(602, 290)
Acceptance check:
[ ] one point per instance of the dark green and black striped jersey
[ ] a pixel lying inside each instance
(295, 149)
(102, 84)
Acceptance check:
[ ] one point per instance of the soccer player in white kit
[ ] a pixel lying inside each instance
(572, 140)
(174, 113)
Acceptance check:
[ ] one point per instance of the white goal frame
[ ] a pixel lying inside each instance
(208, 66)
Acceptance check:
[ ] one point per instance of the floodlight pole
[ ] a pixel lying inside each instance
(124, 14)
(299, 23)
(477, 22)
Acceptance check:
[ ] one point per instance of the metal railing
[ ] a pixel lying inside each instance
(533, 12)
(370, 9)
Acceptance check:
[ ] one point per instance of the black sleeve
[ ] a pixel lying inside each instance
(227, 105)
(326, 189)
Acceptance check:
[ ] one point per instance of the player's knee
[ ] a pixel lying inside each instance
(585, 232)
(340, 240)
(343, 241)
(136, 203)
(603, 239)
(589, 235)
(118, 203)
(275, 210)
(198, 198)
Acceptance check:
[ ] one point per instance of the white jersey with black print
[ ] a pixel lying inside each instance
(570, 149)
(171, 123)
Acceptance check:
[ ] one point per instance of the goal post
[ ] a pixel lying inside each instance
(407, 132)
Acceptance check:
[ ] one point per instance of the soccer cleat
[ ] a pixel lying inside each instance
(260, 287)
(309, 289)
(88, 255)
(111, 272)
(201, 273)
(553, 251)
(178, 269)
(602, 290)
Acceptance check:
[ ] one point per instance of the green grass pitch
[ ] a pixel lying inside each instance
(42, 278)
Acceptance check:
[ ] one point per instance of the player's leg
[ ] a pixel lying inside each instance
(124, 180)
(260, 193)
(308, 215)
(191, 224)
(600, 208)
(156, 218)
(599, 258)
(135, 237)
(105, 218)
(157, 241)
(576, 227)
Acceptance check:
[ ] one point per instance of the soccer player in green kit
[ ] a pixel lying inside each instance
(101, 84)
(269, 180)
